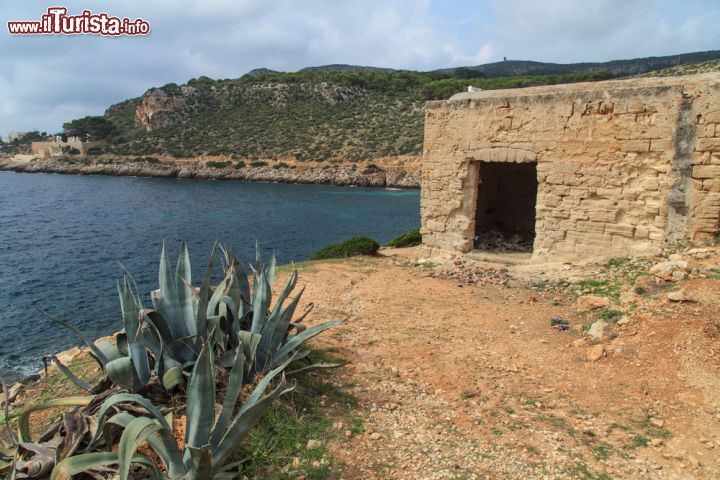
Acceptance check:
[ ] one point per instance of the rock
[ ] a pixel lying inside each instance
(595, 353)
(376, 436)
(348, 433)
(597, 329)
(679, 296)
(678, 275)
(623, 321)
(13, 391)
(666, 270)
(587, 303)
(296, 463)
(579, 342)
(656, 442)
(657, 422)
(313, 444)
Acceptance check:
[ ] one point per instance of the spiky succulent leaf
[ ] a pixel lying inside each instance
(296, 340)
(93, 348)
(201, 400)
(71, 466)
(235, 383)
(24, 421)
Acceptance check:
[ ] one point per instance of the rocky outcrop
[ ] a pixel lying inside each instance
(159, 108)
(341, 176)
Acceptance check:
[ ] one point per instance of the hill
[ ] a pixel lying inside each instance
(333, 113)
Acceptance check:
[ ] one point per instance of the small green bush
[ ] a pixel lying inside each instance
(240, 165)
(407, 239)
(213, 164)
(258, 164)
(351, 247)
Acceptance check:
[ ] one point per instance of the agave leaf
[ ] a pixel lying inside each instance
(173, 378)
(24, 421)
(296, 340)
(163, 444)
(245, 419)
(199, 462)
(235, 383)
(136, 342)
(260, 302)
(137, 431)
(67, 372)
(6, 410)
(122, 372)
(271, 271)
(249, 342)
(71, 466)
(186, 303)
(275, 326)
(201, 326)
(95, 350)
(281, 327)
(110, 350)
(200, 400)
(120, 398)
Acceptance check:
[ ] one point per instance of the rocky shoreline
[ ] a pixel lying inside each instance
(329, 175)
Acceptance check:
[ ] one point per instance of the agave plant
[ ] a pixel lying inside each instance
(209, 440)
(158, 346)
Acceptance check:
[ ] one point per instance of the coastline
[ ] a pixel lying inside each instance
(327, 175)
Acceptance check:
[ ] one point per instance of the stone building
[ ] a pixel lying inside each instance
(56, 147)
(601, 169)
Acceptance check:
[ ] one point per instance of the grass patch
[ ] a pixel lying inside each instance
(610, 314)
(603, 288)
(277, 448)
(407, 239)
(349, 248)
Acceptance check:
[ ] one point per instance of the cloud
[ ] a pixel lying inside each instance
(45, 81)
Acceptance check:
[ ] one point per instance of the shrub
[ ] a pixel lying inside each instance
(258, 164)
(407, 239)
(214, 164)
(280, 165)
(351, 247)
(240, 165)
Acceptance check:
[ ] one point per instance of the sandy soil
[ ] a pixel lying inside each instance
(459, 380)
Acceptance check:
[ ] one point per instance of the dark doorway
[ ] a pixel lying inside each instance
(505, 214)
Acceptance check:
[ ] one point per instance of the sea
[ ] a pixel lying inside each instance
(63, 238)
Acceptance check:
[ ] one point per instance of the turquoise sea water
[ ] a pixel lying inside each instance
(61, 237)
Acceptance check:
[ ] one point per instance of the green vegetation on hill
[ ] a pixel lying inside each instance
(330, 113)
(310, 115)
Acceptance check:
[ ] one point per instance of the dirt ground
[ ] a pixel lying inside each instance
(468, 379)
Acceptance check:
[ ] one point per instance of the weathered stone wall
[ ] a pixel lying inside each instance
(623, 166)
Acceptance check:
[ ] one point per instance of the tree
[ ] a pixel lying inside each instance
(90, 128)
(465, 72)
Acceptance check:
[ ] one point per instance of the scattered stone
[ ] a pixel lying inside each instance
(597, 329)
(678, 296)
(296, 463)
(313, 444)
(595, 353)
(376, 436)
(587, 303)
(656, 442)
(623, 321)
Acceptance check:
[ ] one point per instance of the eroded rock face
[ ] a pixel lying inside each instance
(159, 108)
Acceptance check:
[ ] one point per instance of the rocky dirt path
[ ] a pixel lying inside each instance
(470, 381)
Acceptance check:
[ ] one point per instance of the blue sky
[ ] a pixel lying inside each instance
(47, 80)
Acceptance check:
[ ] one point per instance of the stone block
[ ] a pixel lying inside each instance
(620, 230)
(635, 146)
(706, 171)
(708, 144)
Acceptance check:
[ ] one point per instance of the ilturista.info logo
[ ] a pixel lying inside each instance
(56, 21)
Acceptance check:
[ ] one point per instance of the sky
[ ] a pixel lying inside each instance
(47, 80)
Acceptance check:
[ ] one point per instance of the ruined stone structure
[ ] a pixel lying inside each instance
(600, 169)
